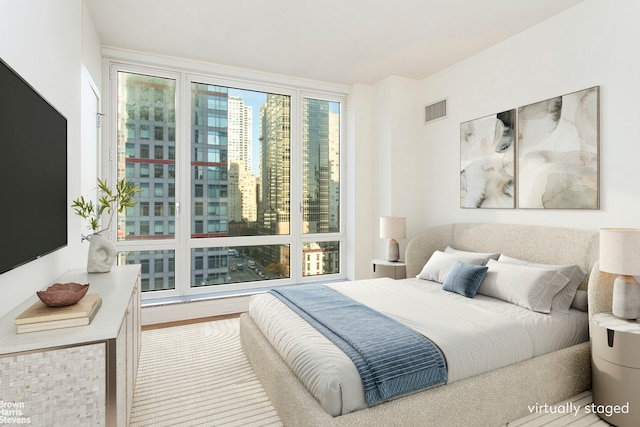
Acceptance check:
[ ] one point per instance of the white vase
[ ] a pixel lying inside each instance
(102, 254)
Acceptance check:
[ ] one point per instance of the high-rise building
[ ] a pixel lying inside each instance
(334, 171)
(274, 210)
(242, 184)
(209, 181)
(320, 185)
(275, 202)
(316, 167)
(240, 133)
(209, 160)
(146, 156)
(242, 197)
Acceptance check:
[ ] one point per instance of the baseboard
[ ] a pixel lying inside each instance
(184, 311)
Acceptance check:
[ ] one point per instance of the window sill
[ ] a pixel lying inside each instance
(158, 302)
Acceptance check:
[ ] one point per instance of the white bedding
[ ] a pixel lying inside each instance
(476, 335)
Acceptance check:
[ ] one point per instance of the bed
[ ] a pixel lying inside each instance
(497, 390)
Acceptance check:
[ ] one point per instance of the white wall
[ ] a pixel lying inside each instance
(594, 43)
(91, 47)
(396, 121)
(359, 172)
(41, 40)
(90, 107)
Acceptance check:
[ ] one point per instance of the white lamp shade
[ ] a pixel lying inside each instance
(620, 251)
(393, 227)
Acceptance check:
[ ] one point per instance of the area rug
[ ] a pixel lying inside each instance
(197, 375)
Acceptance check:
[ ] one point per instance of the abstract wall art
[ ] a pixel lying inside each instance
(558, 152)
(487, 148)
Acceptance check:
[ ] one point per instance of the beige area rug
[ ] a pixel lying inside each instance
(197, 375)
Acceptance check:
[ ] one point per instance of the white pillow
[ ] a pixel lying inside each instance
(563, 299)
(488, 255)
(528, 287)
(440, 263)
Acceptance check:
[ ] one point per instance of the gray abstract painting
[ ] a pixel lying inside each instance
(558, 152)
(487, 161)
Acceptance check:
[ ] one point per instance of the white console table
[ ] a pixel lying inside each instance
(78, 376)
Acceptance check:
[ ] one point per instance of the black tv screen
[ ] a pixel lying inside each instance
(33, 173)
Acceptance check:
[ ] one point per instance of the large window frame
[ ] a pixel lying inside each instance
(182, 243)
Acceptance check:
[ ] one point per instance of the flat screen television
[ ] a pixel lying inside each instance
(33, 173)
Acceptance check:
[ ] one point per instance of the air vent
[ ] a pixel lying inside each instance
(435, 111)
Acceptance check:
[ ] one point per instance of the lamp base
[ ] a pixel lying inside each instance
(393, 250)
(626, 298)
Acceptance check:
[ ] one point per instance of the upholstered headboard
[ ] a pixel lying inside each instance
(537, 243)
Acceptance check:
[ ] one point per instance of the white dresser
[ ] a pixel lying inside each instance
(78, 376)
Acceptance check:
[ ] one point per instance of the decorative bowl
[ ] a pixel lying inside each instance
(63, 294)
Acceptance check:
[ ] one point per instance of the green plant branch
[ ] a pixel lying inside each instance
(109, 201)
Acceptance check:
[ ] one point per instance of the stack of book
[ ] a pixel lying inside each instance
(39, 317)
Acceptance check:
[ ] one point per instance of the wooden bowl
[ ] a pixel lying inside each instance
(63, 294)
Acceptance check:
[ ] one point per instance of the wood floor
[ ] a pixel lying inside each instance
(189, 321)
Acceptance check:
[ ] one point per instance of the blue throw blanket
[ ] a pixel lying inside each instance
(391, 358)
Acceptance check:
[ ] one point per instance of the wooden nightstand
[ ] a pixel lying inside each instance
(615, 350)
(384, 268)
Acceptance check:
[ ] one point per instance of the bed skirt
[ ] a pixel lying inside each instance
(495, 397)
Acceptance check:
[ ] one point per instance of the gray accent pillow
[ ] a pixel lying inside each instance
(563, 300)
(528, 287)
(464, 279)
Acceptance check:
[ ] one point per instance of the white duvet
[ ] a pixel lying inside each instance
(475, 334)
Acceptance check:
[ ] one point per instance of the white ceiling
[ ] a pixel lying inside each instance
(338, 41)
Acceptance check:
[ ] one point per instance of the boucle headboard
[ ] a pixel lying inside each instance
(538, 243)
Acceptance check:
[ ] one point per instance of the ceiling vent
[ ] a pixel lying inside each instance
(435, 111)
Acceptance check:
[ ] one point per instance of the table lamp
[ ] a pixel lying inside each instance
(393, 227)
(620, 254)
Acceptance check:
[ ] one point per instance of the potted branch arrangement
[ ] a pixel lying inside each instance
(102, 253)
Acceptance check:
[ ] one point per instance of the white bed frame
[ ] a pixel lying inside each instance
(493, 398)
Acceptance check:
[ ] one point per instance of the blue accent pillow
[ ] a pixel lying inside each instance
(464, 279)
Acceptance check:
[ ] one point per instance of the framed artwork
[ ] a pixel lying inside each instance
(487, 148)
(558, 152)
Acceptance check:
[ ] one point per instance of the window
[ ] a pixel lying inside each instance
(158, 209)
(158, 188)
(144, 131)
(144, 150)
(144, 210)
(241, 187)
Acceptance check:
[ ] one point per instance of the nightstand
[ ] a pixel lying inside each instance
(384, 268)
(615, 350)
